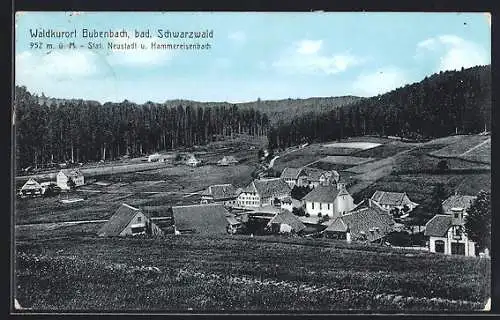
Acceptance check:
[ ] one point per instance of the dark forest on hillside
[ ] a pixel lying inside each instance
(55, 130)
(446, 103)
(81, 131)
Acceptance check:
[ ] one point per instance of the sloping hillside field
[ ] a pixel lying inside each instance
(187, 273)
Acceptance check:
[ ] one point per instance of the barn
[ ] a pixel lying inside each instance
(206, 219)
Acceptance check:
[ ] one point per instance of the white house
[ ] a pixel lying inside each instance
(262, 192)
(392, 200)
(446, 231)
(64, 175)
(192, 161)
(331, 200)
(227, 161)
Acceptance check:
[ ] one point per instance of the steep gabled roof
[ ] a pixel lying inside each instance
(390, 198)
(313, 174)
(438, 226)
(458, 201)
(220, 191)
(202, 219)
(72, 172)
(267, 188)
(325, 194)
(31, 184)
(286, 217)
(291, 173)
(119, 221)
(373, 223)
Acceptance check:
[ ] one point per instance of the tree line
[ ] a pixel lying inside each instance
(81, 131)
(451, 102)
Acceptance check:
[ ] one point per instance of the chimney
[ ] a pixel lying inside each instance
(457, 216)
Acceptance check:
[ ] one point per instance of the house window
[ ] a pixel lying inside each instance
(312, 205)
(320, 206)
(139, 219)
(328, 206)
(456, 215)
(439, 246)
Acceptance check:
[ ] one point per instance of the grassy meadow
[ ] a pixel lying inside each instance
(238, 273)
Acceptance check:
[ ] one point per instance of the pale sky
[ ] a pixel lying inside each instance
(252, 55)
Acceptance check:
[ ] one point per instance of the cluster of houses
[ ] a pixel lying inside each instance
(329, 207)
(32, 188)
(329, 210)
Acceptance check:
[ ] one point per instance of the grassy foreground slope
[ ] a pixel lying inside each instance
(239, 273)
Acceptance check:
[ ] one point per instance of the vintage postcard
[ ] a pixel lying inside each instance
(219, 162)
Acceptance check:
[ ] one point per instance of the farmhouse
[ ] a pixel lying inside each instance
(192, 161)
(293, 176)
(227, 161)
(285, 222)
(317, 177)
(128, 221)
(331, 200)
(220, 193)
(156, 157)
(64, 175)
(262, 192)
(393, 200)
(206, 219)
(366, 223)
(287, 204)
(234, 224)
(31, 188)
(446, 231)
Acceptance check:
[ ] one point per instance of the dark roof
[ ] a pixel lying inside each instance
(438, 226)
(291, 173)
(286, 217)
(203, 219)
(119, 221)
(457, 201)
(267, 188)
(374, 223)
(220, 191)
(313, 174)
(325, 194)
(390, 198)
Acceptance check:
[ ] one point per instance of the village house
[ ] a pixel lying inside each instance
(31, 188)
(206, 219)
(331, 200)
(285, 222)
(236, 223)
(393, 200)
(293, 176)
(220, 193)
(227, 161)
(129, 221)
(64, 175)
(192, 161)
(446, 231)
(262, 192)
(156, 157)
(366, 223)
(316, 177)
(287, 204)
